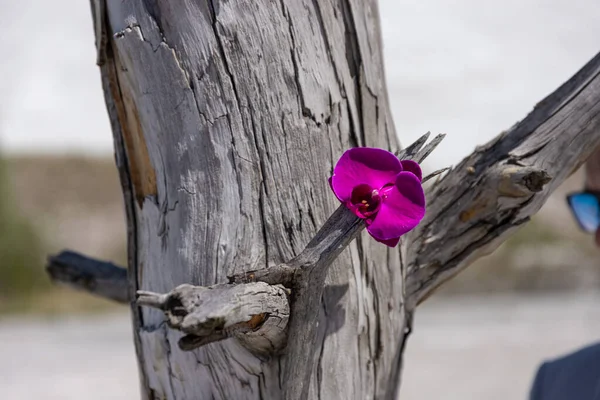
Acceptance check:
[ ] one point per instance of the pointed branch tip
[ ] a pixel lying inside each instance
(435, 173)
(411, 150)
(218, 312)
(426, 151)
(417, 152)
(151, 299)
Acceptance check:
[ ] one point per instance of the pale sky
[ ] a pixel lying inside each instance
(469, 68)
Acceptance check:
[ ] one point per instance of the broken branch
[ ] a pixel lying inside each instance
(101, 278)
(340, 229)
(254, 313)
(497, 188)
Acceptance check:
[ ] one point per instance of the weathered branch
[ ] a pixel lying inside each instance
(495, 190)
(100, 278)
(254, 313)
(435, 173)
(340, 229)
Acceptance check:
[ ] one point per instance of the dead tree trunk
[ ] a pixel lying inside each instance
(228, 117)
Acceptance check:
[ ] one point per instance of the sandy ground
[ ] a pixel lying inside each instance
(68, 359)
(474, 348)
(462, 348)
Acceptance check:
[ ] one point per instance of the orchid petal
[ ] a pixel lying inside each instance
(401, 211)
(363, 165)
(390, 242)
(412, 166)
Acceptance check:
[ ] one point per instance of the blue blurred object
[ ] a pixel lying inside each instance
(575, 376)
(585, 207)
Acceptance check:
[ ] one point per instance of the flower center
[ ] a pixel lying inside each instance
(365, 200)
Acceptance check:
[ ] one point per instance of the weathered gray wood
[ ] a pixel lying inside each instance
(224, 109)
(101, 278)
(255, 313)
(116, 113)
(425, 151)
(435, 173)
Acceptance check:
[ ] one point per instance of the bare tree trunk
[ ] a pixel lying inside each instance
(228, 117)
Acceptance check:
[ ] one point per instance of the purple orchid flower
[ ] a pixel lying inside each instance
(379, 188)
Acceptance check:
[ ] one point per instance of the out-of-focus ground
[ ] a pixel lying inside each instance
(78, 357)
(461, 348)
(489, 348)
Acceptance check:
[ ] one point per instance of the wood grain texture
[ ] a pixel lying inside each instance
(256, 314)
(243, 108)
(497, 188)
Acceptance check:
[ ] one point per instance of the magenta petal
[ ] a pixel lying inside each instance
(401, 211)
(363, 165)
(411, 188)
(412, 166)
(389, 242)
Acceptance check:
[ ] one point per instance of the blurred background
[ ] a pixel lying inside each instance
(467, 68)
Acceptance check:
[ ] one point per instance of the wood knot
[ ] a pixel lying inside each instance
(522, 181)
(218, 312)
(536, 180)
